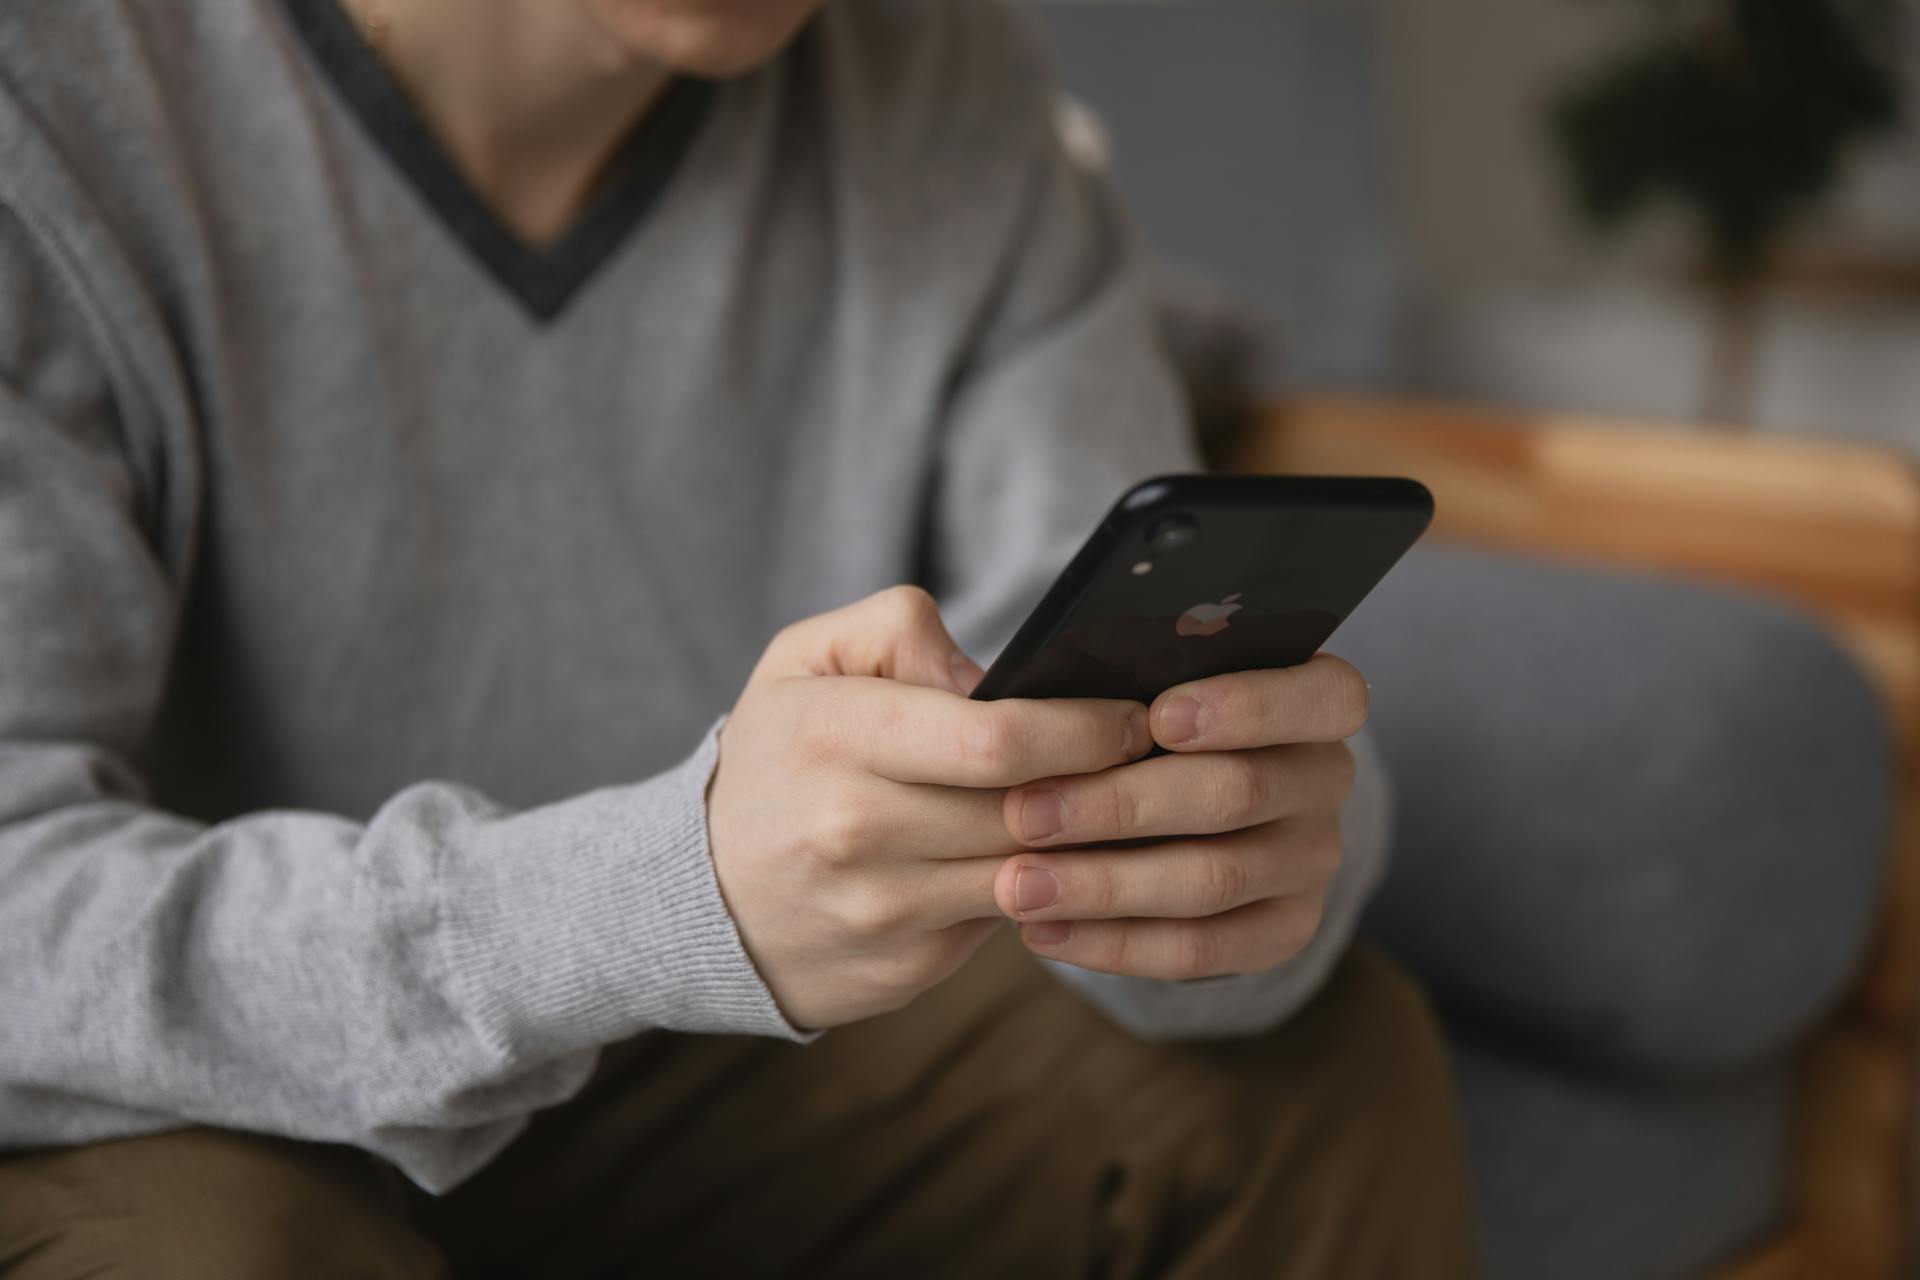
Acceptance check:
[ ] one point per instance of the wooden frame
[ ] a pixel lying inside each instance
(1834, 527)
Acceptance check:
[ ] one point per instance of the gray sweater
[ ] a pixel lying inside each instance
(370, 584)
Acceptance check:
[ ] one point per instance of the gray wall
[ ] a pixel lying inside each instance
(1248, 146)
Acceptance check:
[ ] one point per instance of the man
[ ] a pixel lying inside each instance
(417, 415)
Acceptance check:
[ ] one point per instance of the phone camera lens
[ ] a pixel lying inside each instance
(1170, 533)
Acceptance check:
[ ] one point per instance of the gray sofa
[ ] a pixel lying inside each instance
(1637, 849)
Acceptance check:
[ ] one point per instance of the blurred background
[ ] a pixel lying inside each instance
(1393, 183)
(1634, 286)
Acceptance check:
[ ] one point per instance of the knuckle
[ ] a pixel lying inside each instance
(1112, 948)
(1120, 807)
(791, 638)
(908, 606)
(987, 742)
(815, 738)
(1222, 882)
(839, 831)
(888, 718)
(1260, 701)
(865, 913)
(1239, 787)
(815, 746)
(1195, 951)
(1096, 891)
(902, 974)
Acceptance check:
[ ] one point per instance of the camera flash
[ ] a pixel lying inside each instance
(1142, 566)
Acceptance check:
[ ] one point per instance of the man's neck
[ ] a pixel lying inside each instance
(529, 97)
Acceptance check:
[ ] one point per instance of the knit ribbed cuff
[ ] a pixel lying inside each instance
(586, 921)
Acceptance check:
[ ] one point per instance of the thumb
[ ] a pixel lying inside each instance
(896, 634)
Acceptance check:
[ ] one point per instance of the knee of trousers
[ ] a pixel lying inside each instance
(1640, 821)
(1365, 1059)
(1348, 1123)
(206, 1204)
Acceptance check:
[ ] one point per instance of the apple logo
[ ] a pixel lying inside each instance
(1207, 619)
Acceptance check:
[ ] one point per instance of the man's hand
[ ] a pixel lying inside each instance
(869, 822)
(1245, 815)
(855, 812)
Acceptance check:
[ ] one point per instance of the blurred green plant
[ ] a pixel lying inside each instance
(1742, 111)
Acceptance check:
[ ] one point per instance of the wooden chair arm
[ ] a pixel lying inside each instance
(1835, 527)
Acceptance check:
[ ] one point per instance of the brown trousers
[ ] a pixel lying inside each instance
(999, 1126)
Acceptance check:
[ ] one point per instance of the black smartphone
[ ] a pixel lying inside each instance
(1192, 576)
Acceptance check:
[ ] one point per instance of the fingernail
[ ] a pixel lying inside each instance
(1042, 814)
(1180, 719)
(1034, 888)
(1139, 733)
(1049, 933)
(966, 672)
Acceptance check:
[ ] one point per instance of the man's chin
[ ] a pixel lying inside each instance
(712, 39)
(725, 61)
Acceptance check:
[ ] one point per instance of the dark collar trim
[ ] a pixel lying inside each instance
(544, 279)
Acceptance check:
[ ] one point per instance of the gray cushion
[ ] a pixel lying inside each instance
(1581, 1178)
(1641, 823)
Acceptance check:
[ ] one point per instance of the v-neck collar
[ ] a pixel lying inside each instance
(541, 279)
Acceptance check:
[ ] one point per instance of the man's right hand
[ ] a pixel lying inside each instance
(855, 815)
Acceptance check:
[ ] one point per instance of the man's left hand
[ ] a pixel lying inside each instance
(1242, 821)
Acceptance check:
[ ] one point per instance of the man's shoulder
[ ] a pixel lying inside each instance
(106, 81)
(50, 27)
(95, 47)
(111, 111)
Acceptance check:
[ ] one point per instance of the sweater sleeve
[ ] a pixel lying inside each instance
(414, 985)
(1069, 398)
